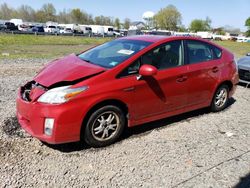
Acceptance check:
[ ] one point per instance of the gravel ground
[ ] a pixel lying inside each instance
(197, 149)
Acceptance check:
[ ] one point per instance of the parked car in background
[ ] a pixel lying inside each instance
(134, 32)
(244, 69)
(205, 35)
(66, 31)
(25, 28)
(2, 27)
(51, 29)
(241, 39)
(162, 33)
(117, 33)
(124, 32)
(10, 26)
(123, 83)
(38, 29)
(108, 30)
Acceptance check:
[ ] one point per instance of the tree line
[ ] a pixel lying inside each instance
(48, 13)
(168, 18)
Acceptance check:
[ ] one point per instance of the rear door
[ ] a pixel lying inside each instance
(203, 70)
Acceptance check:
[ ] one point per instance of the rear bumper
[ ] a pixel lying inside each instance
(234, 81)
(67, 120)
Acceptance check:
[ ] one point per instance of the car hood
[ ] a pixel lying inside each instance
(67, 69)
(244, 63)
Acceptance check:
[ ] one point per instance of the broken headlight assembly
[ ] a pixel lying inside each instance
(61, 95)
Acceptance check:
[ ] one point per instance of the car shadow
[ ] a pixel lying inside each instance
(244, 182)
(166, 122)
(141, 130)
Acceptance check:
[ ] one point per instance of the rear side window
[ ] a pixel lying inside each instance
(199, 52)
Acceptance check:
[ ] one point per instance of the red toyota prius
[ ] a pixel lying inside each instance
(94, 95)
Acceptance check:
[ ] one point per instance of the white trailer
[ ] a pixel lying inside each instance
(108, 30)
(17, 22)
(205, 34)
(51, 27)
(86, 29)
(221, 37)
(97, 30)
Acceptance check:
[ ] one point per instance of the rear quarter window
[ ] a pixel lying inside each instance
(217, 52)
(199, 51)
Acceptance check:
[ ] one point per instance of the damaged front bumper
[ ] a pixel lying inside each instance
(32, 114)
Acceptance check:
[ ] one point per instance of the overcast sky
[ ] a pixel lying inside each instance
(222, 12)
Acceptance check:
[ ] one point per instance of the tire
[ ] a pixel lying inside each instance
(104, 126)
(220, 99)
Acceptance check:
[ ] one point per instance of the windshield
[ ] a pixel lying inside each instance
(113, 53)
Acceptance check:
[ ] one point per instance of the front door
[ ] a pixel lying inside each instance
(164, 92)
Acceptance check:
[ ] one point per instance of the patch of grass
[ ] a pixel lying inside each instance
(41, 51)
(237, 48)
(9, 39)
(32, 46)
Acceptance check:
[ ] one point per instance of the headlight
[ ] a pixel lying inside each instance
(61, 94)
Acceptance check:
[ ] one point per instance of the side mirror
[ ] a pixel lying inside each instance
(148, 70)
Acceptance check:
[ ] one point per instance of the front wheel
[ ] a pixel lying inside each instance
(220, 99)
(104, 126)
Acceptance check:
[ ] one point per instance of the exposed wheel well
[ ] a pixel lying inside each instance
(228, 83)
(114, 102)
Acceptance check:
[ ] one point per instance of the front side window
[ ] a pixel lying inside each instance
(166, 56)
(113, 53)
(199, 52)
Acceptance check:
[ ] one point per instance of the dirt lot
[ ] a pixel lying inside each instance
(197, 149)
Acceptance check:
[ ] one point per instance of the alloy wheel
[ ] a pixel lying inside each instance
(221, 97)
(105, 126)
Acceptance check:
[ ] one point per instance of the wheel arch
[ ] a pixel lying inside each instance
(100, 104)
(225, 82)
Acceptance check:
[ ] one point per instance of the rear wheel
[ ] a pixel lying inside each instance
(104, 126)
(220, 99)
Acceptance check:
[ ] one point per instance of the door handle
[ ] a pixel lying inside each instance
(215, 69)
(129, 89)
(181, 78)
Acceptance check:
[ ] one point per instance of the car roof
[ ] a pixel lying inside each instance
(157, 38)
(147, 38)
(162, 38)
